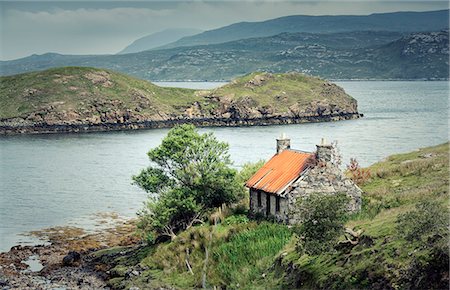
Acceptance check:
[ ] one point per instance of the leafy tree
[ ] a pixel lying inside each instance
(323, 217)
(189, 174)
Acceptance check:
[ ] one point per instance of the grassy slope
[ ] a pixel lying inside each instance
(397, 184)
(281, 90)
(77, 88)
(243, 255)
(73, 85)
(238, 255)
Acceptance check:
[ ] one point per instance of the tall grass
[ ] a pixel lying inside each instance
(239, 253)
(248, 254)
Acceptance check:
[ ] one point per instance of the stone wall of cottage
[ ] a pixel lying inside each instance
(325, 178)
(281, 215)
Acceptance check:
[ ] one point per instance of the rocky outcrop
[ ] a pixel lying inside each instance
(424, 44)
(104, 115)
(88, 99)
(113, 115)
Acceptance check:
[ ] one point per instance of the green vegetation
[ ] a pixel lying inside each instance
(323, 219)
(399, 240)
(238, 255)
(189, 176)
(404, 225)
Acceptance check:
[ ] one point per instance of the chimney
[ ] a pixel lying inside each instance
(324, 151)
(283, 143)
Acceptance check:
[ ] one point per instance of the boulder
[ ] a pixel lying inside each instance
(71, 258)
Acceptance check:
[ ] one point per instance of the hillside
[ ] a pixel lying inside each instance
(352, 55)
(261, 255)
(398, 21)
(384, 259)
(73, 99)
(158, 39)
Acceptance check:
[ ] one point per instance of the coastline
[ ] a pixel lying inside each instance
(45, 128)
(46, 266)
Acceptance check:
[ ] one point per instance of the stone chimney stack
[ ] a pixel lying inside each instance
(283, 143)
(324, 151)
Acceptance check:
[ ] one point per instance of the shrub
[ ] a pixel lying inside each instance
(427, 219)
(236, 219)
(323, 218)
(359, 175)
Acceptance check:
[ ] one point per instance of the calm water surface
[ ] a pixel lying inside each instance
(49, 180)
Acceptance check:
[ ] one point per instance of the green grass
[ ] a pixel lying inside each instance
(73, 89)
(247, 255)
(239, 254)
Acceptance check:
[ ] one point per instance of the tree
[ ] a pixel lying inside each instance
(189, 174)
(323, 217)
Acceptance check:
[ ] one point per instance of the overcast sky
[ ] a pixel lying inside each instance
(106, 27)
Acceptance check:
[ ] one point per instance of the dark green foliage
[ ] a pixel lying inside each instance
(323, 219)
(152, 179)
(168, 213)
(190, 173)
(429, 218)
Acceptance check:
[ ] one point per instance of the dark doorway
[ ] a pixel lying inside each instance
(267, 204)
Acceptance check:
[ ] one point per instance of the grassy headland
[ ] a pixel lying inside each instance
(72, 99)
(262, 255)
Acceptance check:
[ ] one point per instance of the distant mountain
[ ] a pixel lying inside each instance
(349, 55)
(398, 21)
(159, 39)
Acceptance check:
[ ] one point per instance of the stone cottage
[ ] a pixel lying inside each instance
(293, 174)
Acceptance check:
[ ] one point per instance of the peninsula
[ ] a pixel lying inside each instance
(83, 99)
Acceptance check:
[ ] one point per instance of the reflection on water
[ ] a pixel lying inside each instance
(49, 180)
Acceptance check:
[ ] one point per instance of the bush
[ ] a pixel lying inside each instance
(428, 219)
(323, 218)
(359, 175)
(236, 219)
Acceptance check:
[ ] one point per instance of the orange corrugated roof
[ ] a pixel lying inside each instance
(280, 171)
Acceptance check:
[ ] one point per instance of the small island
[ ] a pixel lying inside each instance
(83, 99)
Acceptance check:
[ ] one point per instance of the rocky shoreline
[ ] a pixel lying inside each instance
(68, 260)
(45, 128)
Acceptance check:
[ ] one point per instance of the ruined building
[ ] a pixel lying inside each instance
(292, 174)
